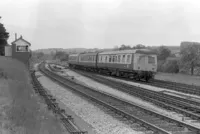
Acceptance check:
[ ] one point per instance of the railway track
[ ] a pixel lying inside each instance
(185, 88)
(184, 106)
(152, 120)
(190, 89)
(187, 107)
(66, 119)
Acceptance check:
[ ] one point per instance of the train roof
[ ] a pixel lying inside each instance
(89, 53)
(73, 54)
(141, 51)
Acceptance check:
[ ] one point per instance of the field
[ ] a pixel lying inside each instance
(180, 78)
(21, 110)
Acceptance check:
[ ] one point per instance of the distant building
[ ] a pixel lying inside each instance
(21, 50)
(8, 50)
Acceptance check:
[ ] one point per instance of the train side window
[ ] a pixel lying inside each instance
(128, 58)
(109, 58)
(123, 58)
(119, 58)
(106, 59)
(101, 58)
(114, 59)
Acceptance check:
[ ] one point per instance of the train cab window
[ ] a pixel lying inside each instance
(128, 58)
(151, 60)
(123, 59)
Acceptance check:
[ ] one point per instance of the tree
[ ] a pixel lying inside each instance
(163, 53)
(40, 55)
(139, 46)
(116, 48)
(190, 56)
(124, 47)
(61, 55)
(3, 38)
(64, 57)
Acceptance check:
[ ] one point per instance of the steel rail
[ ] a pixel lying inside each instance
(63, 81)
(66, 119)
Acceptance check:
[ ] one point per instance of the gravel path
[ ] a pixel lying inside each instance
(100, 121)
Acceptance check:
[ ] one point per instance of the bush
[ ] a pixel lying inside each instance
(160, 65)
(171, 66)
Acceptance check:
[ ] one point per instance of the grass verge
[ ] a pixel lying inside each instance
(21, 110)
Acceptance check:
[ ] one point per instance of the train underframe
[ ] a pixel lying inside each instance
(137, 75)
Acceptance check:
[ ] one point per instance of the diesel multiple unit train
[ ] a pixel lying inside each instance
(140, 64)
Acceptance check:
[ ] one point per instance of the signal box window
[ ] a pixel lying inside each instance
(22, 49)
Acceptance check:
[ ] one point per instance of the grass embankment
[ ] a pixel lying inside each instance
(21, 110)
(180, 78)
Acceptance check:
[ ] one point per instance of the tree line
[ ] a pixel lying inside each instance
(4, 35)
(190, 57)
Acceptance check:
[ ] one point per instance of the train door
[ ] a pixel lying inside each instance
(140, 62)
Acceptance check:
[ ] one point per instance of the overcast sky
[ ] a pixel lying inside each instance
(101, 23)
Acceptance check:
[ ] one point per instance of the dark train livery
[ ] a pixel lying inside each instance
(137, 64)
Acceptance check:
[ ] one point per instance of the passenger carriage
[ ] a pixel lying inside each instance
(88, 60)
(73, 60)
(140, 63)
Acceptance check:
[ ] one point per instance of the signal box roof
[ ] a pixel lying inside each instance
(21, 40)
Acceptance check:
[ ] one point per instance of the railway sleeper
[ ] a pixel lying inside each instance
(79, 132)
(134, 125)
(155, 121)
(173, 128)
(149, 132)
(166, 124)
(181, 132)
(140, 129)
